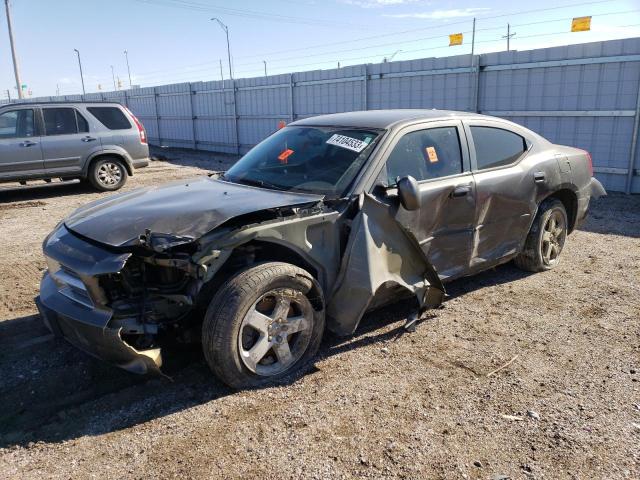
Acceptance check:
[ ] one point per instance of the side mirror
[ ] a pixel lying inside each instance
(409, 193)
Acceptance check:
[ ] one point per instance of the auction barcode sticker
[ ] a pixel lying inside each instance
(348, 142)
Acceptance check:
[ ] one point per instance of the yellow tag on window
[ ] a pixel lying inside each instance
(581, 24)
(455, 39)
(431, 153)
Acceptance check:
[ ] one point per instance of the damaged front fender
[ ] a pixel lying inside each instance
(379, 251)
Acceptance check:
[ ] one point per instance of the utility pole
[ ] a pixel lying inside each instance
(126, 56)
(113, 77)
(9, 94)
(57, 90)
(508, 35)
(80, 65)
(226, 30)
(16, 68)
(265, 67)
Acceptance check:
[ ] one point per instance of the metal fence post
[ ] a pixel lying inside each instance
(192, 94)
(634, 145)
(157, 117)
(365, 88)
(476, 89)
(291, 113)
(235, 116)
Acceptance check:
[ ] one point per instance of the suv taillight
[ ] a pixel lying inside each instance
(141, 130)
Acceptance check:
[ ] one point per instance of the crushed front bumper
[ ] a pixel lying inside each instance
(87, 329)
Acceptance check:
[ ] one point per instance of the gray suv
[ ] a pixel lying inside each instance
(95, 141)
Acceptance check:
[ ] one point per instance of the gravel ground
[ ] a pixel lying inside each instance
(378, 404)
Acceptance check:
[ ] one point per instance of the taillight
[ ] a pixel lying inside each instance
(590, 161)
(141, 130)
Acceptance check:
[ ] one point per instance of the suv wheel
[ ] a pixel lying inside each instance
(263, 325)
(108, 174)
(546, 238)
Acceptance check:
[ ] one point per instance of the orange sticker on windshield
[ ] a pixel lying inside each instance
(285, 155)
(431, 153)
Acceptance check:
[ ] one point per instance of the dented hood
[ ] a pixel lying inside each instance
(186, 208)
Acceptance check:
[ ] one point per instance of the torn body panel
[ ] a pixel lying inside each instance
(379, 252)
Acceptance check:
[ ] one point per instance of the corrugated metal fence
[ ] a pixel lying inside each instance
(581, 95)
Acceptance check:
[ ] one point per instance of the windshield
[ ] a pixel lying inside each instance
(309, 159)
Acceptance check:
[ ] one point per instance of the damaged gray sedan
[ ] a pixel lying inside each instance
(322, 221)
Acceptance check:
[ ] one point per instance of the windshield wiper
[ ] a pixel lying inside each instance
(255, 183)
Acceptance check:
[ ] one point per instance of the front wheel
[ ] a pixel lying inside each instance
(546, 238)
(264, 323)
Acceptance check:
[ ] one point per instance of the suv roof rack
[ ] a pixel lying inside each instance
(56, 102)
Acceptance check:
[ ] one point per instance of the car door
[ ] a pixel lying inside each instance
(66, 140)
(20, 150)
(505, 191)
(436, 155)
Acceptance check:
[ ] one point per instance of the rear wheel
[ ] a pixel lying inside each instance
(546, 238)
(107, 174)
(263, 324)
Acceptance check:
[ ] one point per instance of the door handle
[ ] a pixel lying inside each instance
(460, 191)
(88, 139)
(28, 143)
(539, 177)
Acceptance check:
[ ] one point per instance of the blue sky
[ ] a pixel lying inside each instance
(171, 41)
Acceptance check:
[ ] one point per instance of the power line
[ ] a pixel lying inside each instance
(199, 7)
(164, 73)
(426, 27)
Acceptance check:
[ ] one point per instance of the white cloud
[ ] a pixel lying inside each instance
(442, 14)
(380, 3)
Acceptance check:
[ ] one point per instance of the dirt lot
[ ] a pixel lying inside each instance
(378, 404)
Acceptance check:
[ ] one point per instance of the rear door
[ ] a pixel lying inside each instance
(436, 155)
(67, 140)
(20, 152)
(505, 191)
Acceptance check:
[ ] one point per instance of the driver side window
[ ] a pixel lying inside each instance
(426, 154)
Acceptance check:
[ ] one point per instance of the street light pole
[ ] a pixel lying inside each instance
(80, 65)
(226, 30)
(126, 56)
(113, 77)
(16, 68)
(265, 67)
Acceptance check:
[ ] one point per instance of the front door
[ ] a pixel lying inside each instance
(436, 155)
(20, 152)
(67, 141)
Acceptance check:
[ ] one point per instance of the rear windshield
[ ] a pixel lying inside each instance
(321, 160)
(110, 117)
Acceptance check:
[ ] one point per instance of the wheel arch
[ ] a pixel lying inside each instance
(109, 154)
(569, 199)
(257, 251)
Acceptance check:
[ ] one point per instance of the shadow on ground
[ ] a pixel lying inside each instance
(52, 392)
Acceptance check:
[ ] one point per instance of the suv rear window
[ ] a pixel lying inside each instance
(111, 117)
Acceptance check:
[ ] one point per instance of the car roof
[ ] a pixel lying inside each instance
(380, 118)
(59, 102)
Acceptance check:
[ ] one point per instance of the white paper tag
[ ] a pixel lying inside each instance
(348, 142)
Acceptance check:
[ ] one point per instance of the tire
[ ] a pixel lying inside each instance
(107, 174)
(546, 238)
(259, 316)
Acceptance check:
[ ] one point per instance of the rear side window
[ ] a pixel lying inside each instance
(83, 125)
(426, 154)
(496, 147)
(17, 124)
(63, 121)
(111, 117)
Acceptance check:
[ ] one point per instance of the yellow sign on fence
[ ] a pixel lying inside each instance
(581, 24)
(455, 39)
